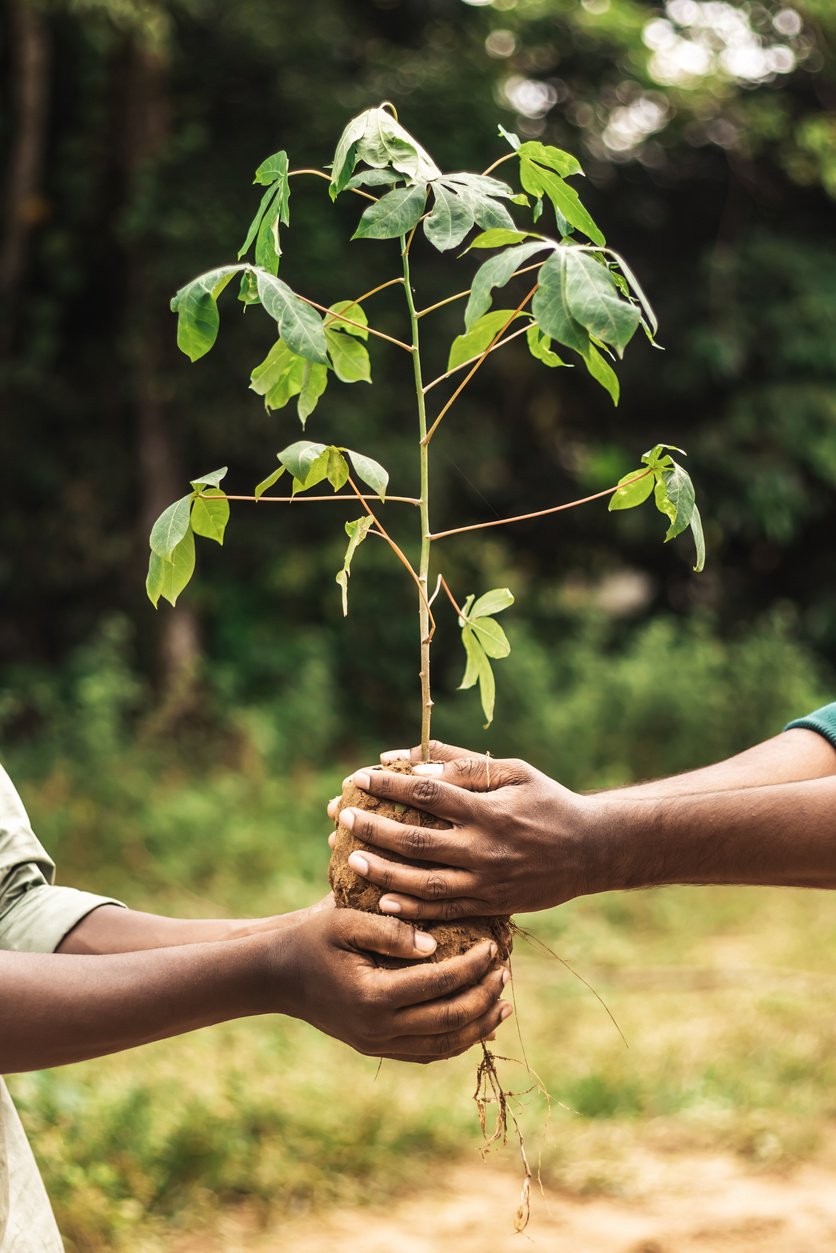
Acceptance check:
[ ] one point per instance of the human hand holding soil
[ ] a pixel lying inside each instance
(516, 840)
(420, 1013)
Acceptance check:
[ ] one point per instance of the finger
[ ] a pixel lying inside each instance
(437, 751)
(417, 843)
(431, 981)
(333, 807)
(374, 933)
(450, 1044)
(454, 1013)
(476, 773)
(427, 885)
(439, 798)
(332, 839)
(413, 910)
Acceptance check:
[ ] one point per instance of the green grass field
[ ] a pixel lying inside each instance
(723, 996)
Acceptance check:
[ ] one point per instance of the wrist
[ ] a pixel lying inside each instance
(608, 840)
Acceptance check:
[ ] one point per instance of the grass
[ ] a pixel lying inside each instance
(722, 994)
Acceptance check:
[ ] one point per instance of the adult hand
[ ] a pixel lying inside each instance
(419, 1013)
(517, 840)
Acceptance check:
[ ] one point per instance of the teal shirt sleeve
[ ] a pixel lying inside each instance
(821, 720)
(34, 914)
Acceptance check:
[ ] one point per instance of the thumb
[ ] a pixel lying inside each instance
(438, 752)
(376, 933)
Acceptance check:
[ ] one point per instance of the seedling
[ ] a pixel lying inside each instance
(577, 293)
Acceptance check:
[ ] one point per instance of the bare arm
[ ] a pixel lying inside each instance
(58, 1008)
(110, 929)
(518, 840)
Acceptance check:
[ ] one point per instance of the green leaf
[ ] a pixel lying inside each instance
(345, 157)
(300, 326)
(385, 142)
(674, 495)
(563, 163)
(492, 637)
(594, 302)
(170, 528)
(267, 247)
(168, 578)
(551, 308)
(300, 457)
(210, 514)
(314, 383)
(248, 289)
(657, 461)
(496, 272)
(348, 309)
(316, 473)
(481, 183)
(633, 282)
(481, 334)
(274, 208)
(602, 372)
(631, 490)
(356, 532)
(699, 540)
(349, 358)
(271, 194)
(373, 178)
(492, 602)
(273, 170)
(263, 486)
(370, 472)
(450, 220)
(479, 667)
(539, 345)
(213, 479)
(196, 306)
(337, 469)
(394, 214)
(498, 238)
(513, 140)
(279, 377)
(565, 199)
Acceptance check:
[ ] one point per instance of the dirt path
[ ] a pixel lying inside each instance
(681, 1204)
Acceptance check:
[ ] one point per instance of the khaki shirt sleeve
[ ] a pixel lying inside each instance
(34, 915)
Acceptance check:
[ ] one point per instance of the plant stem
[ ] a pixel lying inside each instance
(426, 541)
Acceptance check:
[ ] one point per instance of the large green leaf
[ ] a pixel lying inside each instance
(345, 157)
(450, 220)
(168, 578)
(300, 326)
(300, 457)
(394, 214)
(170, 527)
(349, 357)
(314, 383)
(492, 637)
(632, 490)
(565, 200)
(492, 602)
(479, 668)
(210, 514)
(495, 273)
(563, 163)
(550, 305)
(481, 334)
(594, 302)
(196, 306)
(539, 345)
(213, 479)
(675, 497)
(356, 532)
(273, 209)
(602, 372)
(280, 376)
(377, 138)
(498, 238)
(370, 472)
(348, 316)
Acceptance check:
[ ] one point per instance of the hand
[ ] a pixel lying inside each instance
(516, 842)
(419, 1014)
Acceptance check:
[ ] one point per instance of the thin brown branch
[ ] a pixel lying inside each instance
(509, 156)
(380, 287)
(450, 595)
(338, 317)
(460, 295)
(477, 364)
(299, 499)
(463, 364)
(540, 513)
(367, 195)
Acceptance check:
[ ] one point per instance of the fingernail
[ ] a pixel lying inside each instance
(424, 942)
(395, 754)
(428, 767)
(493, 950)
(346, 819)
(361, 780)
(506, 977)
(358, 862)
(505, 1012)
(389, 906)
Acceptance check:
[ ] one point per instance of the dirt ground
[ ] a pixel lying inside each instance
(680, 1203)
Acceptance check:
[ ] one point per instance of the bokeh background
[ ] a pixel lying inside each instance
(182, 758)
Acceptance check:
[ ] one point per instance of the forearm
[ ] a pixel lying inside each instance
(782, 834)
(791, 756)
(59, 1009)
(110, 929)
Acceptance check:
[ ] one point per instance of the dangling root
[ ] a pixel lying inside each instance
(489, 1091)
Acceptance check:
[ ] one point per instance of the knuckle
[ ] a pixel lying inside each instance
(435, 886)
(466, 769)
(426, 791)
(446, 1045)
(454, 1018)
(446, 982)
(451, 910)
(415, 841)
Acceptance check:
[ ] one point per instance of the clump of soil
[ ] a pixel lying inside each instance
(353, 892)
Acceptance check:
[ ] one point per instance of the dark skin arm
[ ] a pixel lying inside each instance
(519, 841)
(69, 1006)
